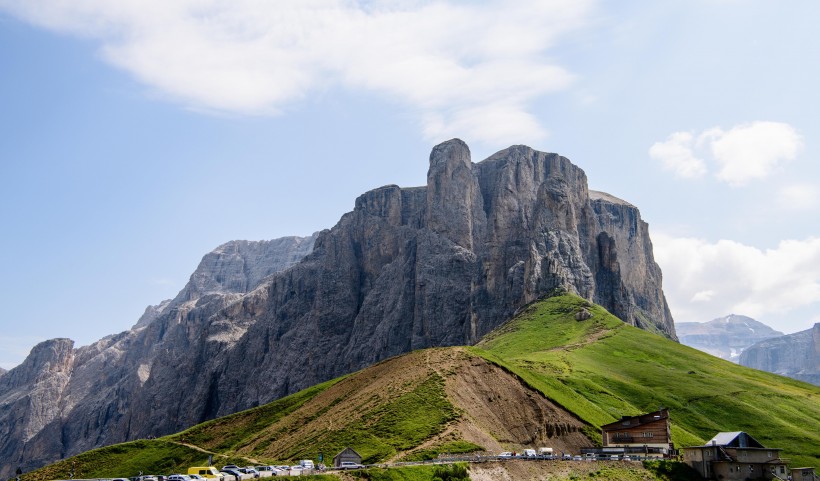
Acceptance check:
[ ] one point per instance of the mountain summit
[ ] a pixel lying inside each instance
(725, 337)
(408, 268)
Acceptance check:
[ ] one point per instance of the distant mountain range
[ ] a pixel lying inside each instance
(794, 355)
(745, 341)
(409, 268)
(724, 337)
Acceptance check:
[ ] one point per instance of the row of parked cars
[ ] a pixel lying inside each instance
(230, 472)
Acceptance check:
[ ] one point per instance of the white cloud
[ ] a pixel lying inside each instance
(704, 280)
(799, 197)
(746, 152)
(752, 151)
(677, 155)
(444, 61)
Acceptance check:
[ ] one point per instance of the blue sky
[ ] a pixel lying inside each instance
(139, 135)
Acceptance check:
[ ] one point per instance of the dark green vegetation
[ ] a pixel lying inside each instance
(453, 472)
(671, 471)
(601, 369)
(452, 447)
(409, 473)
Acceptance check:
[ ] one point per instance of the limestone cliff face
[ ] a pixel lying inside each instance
(30, 401)
(408, 268)
(794, 355)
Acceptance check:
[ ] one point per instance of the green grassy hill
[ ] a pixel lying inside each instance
(486, 397)
(601, 369)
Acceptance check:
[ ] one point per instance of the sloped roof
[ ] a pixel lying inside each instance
(633, 421)
(348, 450)
(734, 439)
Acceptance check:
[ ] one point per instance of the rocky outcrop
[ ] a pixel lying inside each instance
(235, 267)
(725, 337)
(794, 355)
(408, 268)
(30, 397)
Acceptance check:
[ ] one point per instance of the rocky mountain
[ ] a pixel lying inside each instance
(408, 268)
(57, 382)
(794, 355)
(724, 337)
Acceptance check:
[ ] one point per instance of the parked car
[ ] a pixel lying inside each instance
(208, 472)
(350, 465)
(506, 455)
(178, 477)
(267, 471)
(250, 471)
(577, 457)
(237, 475)
(229, 466)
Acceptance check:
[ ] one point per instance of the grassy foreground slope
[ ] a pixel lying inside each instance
(601, 369)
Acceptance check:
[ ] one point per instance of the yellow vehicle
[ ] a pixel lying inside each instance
(206, 472)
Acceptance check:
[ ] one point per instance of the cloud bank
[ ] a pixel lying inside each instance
(463, 68)
(744, 153)
(705, 280)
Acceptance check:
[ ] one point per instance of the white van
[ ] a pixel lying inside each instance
(529, 453)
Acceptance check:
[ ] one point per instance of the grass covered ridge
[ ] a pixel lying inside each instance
(601, 369)
(128, 459)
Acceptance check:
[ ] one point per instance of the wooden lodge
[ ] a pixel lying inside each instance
(646, 435)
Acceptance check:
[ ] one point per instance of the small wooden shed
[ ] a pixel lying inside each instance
(804, 474)
(347, 454)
